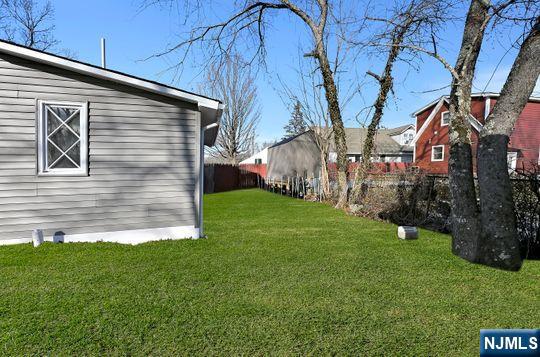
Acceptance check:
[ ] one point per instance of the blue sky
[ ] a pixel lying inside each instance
(134, 35)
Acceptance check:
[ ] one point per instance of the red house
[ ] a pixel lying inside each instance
(431, 143)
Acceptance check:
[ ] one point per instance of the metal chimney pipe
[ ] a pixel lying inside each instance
(103, 59)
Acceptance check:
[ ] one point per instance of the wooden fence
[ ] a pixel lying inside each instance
(222, 177)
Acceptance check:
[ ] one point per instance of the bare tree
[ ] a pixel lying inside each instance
(308, 90)
(235, 85)
(29, 24)
(249, 23)
(465, 212)
(468, 229)
(266, 143)
(4, 20)
(499, 244)
(309, 93)
(412, 24)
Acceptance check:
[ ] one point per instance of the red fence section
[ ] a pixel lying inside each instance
(259, 169)
(377, 168)
(223, 177)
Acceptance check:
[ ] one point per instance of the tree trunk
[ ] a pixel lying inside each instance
(386, 83)
(499, 243)
(466, 226)
(337, 123)
(325, 181)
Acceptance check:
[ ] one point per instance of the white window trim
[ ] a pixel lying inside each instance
(406, 136)
(511, 158)
(442, 121)
(433, 151)
(42, 139)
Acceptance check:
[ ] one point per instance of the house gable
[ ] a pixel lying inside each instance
(404, 136)
(525, 138)
(210, 109)
(436, 114)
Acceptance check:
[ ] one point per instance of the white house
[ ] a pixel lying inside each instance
(258, 158)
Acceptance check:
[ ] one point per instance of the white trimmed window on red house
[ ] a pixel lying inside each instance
(437, 153)
(445, 118)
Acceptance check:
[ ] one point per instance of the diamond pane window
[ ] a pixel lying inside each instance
(63, 138)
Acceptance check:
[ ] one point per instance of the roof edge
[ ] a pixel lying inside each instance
(31, 54)
(473, 95)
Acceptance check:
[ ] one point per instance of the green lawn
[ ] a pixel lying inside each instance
(276, 275)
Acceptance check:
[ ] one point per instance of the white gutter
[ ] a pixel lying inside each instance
(201, 176)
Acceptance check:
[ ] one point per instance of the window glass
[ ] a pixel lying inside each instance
(408, 138)
(63, 140)
(437, 153)
(445, 118)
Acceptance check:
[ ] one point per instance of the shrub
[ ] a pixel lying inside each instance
(417, 199)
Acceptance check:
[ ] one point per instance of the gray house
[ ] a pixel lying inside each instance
(300, 155)
(297, 155)
(391, 145)
(89, 154)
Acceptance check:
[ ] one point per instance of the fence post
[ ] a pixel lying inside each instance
(319, 185)
(287, 186)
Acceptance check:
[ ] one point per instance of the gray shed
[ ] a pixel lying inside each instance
(300, 154)
(297, 155)
(387, 147)
(89, 154)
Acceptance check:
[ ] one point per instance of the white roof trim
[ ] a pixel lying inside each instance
(407, 127)
(254, 156)
(475, 123)
(428, 120)
(75, 66)
(428, 105)
(472, 120)
(473, 95)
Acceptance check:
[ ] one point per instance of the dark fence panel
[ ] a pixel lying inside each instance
(222, 177)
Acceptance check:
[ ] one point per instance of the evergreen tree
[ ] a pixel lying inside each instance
(296, 124)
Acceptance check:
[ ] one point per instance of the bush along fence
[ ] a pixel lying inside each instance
(397, 193)
(415, 199)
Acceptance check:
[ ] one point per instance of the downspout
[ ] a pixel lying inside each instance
(201, 176)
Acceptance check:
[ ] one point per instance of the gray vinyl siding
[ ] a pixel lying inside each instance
(297, 156)
(143, 157)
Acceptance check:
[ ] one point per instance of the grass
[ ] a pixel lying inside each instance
(276, 275)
